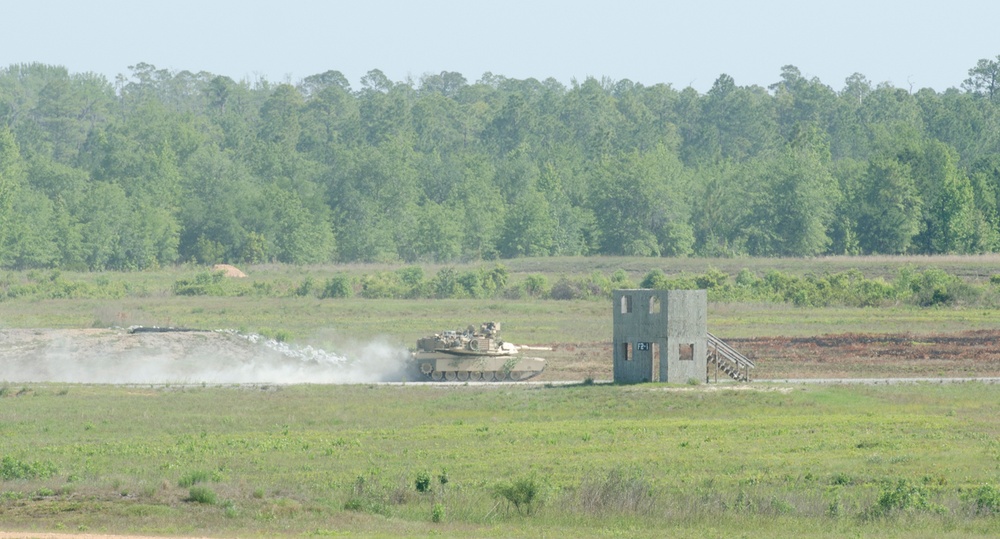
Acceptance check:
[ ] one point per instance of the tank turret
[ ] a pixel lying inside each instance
(473, 355)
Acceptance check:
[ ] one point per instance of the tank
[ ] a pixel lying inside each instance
(474, 355)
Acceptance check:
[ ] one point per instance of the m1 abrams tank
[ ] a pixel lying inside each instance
(474, 355)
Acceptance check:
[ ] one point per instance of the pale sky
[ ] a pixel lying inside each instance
(909, 43)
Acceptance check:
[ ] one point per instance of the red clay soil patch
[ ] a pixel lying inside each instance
(964, 354)
(848, 355)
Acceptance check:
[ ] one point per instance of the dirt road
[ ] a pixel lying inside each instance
(115, 356)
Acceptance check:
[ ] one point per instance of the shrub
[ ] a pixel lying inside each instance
(937, 287)
(536, 286)
(203, 284)
(437, 514)
(747, 278)
(654, 279)
(203, 495)
(306, 287)
(381, 285)
(11, 468)
(565, 289)
(599, 285)
(903, 496)
(620, 279)
(413, 282)
(471, 284)
(445, 284)
(229, 509)
(985, 500)
(495, 280)
(524, 494)
(423, 482)
(338, 286)
(711, 279)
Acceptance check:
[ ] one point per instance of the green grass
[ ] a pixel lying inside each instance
(814, 461)
(149, 301)
(524, 321)
(597, 460)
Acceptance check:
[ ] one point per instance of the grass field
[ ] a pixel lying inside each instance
(582, 461)
(530, 461)
(148, 300)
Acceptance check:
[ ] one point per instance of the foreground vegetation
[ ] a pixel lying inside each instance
(582, 461)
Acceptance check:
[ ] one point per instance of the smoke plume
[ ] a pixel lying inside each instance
(219, 357)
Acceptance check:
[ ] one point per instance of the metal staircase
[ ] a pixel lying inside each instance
(728, 360)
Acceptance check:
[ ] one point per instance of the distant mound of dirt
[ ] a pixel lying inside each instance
(229, 271)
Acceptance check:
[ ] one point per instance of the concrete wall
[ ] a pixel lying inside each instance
(687, 325)
(660, 335)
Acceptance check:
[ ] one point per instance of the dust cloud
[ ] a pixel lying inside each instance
(114, 356)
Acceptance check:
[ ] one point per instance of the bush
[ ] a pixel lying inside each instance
(711, 279)
(747, 278)
(413, 281)
(203, 284)
(471, 284)
(11, 468)
(203, 495)
(437, 514)
(495, 280)
(655, 279)
(423, 482)
(306, 287)
(381, 285)
(985, 500)
(620, 279)
(536, 286)
(338, 286)
(524, 494)
(229, 509)
(445, 284)
(903, 496)
(565, 289)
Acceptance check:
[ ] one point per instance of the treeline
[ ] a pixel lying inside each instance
(161, 167)
(910, 286)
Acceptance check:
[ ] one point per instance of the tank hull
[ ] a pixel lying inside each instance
(462, 367)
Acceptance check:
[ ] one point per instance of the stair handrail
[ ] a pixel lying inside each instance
(729, 352)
